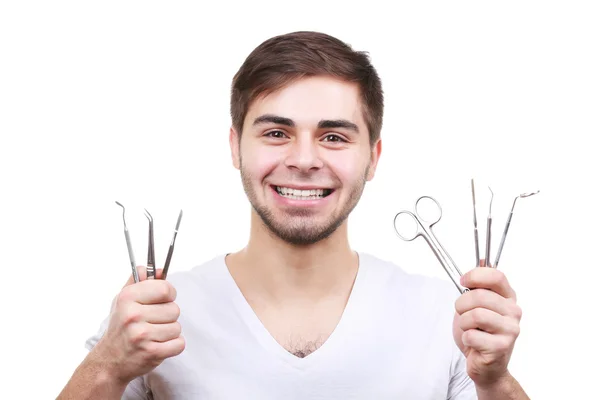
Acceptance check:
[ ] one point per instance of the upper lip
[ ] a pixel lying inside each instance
(303, 187)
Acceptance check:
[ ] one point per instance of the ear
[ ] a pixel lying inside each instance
(234, 144)
(375, 154)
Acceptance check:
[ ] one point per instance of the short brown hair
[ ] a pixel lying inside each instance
(285, 58)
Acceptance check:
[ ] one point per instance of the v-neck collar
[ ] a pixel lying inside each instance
(264, 337)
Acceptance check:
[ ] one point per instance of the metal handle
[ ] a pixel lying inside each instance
(136, 277)
(503, 240)
(488, 241)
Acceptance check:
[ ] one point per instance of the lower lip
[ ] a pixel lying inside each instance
(301, 203)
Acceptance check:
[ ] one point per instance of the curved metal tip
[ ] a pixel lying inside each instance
(122, 206)
(492, 199)
(148, 215)
(522, 195)
(514, 202)
(528, 194)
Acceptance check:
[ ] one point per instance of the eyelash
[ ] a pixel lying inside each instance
(338, 138)
(271, 132)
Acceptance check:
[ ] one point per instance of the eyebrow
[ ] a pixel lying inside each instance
(274, 119)
(323, 124)
(338, 123)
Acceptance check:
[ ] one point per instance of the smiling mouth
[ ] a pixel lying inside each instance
(302, 194)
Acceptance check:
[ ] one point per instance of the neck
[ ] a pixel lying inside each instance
(280, 271)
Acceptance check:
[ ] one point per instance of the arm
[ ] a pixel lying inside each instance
(140, 332)
(506, 388)
(91, 380)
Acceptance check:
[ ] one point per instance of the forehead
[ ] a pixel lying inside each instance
(308, 100)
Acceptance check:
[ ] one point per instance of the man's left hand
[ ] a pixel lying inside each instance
(486, 325)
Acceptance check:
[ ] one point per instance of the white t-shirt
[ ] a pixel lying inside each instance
(394, 341)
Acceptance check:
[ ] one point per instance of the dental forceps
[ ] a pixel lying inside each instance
(151, 263)
(424, 229)
(488, 235)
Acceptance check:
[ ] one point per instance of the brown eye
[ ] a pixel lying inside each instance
(333, 138)
(276, 134)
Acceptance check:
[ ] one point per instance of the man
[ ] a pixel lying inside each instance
(298, 314)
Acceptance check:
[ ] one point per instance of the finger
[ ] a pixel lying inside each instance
(151, 291)
(488, 321)
(142, 273)
(164, 332)
(481, 298)
(167, 349)
(160, 313)
(485, 342)
(488, 278)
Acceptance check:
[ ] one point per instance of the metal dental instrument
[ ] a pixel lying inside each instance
(475, 223)
(136, 278)
(522, 195)
(488, 236)
(171, 247)
(424, 230)
(150, 265)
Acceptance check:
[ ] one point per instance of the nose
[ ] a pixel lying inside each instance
(304, 154)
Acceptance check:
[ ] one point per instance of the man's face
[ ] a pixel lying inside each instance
(304, 157)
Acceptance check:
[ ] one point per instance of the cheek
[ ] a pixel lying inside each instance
(259, 161)
(348, 167)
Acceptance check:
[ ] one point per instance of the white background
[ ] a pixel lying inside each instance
(128, 101)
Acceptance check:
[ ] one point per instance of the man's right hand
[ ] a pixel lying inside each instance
(143, 329)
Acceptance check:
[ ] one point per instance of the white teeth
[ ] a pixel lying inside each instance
(296, 194)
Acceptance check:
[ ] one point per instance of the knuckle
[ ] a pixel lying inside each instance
(499, 277)
(478, 316)
(478, 296)
(137, 334)
(178, 346)
(123, 298)
(518, 312)
(506, 343)
(164, 290)
(151, 350)
(516, 330)
(464, 322)
(459, 304)
(177, 330)
(467, 337)
(176, 311)
(132, 315)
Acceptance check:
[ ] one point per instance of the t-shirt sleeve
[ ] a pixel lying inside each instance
(137, 389)
(461, 385)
